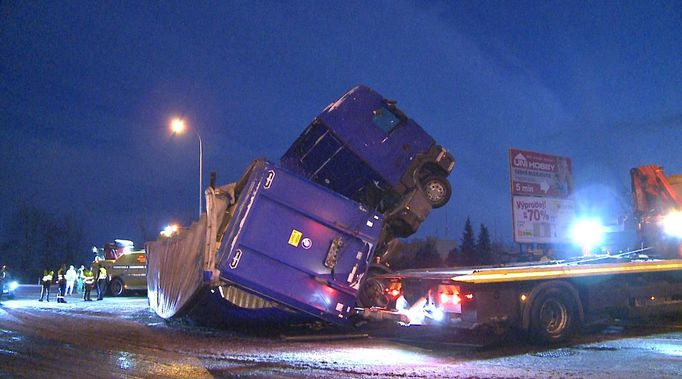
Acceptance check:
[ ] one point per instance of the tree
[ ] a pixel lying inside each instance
(484, 246)
(38, 239)
(427, 256)
(467, 253)
(416, 253)
(453, 257)
(72, 240)
(27, 242)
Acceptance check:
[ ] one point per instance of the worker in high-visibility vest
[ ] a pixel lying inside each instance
(61, 282)
(88, 282)
(46, 282)
(101, 282)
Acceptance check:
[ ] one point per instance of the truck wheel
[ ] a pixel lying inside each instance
(372, 290)
(437, 190)
(552, 316)
(116, 287)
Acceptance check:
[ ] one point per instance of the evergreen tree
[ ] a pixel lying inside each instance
(452, 258)
(484, 246)
(427, 256)
(468, 247)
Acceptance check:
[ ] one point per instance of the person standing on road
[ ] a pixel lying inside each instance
(3, 279)
(70, 280)
(88, 281)
(79, 280)
(46, 282)
(61, 282)
(101, 281)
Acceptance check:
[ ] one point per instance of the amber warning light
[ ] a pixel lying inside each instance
(394, 290)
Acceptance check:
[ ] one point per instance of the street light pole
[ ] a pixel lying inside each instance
(201, 170)
(178, 126)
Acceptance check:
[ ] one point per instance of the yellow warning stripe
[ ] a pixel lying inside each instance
(566, 271)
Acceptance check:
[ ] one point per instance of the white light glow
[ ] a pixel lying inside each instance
(170, 230)
(438, 315)
(178, 125)
(588, 233)
(672, 224)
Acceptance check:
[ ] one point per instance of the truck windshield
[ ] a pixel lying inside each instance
(385, 119)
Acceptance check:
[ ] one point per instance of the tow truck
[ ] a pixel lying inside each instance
(126, 267)
(549, 300)
(546, 300)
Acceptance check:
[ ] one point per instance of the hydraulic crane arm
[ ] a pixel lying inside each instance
(651, 191)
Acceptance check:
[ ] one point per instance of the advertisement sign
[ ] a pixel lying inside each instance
(542, 220)
(538, 174)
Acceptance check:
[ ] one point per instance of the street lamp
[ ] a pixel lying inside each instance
(178, 126)
(169, 230)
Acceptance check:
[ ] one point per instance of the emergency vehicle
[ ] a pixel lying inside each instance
(550, 300)
(126, 267)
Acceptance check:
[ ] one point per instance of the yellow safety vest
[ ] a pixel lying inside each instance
(102, 273)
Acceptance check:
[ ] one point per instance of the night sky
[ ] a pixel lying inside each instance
(87, 91)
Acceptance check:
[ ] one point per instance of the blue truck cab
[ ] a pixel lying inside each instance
(363, 147)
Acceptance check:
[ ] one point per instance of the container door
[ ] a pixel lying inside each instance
(299, 244)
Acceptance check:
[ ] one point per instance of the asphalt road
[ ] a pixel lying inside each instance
(121, 337)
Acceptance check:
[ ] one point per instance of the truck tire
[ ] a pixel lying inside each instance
(372, 290)
(552, 316)
(437, 190)
(116, 287)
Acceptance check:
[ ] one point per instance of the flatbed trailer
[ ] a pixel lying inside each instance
(546, 300)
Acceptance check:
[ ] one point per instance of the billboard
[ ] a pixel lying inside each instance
(538, 174)
(542, 197)
(542, 220)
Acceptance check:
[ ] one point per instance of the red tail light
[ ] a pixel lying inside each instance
(394, 290)
(450, 298)
(450, 294)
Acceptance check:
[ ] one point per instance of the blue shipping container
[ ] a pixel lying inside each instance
(297, 243)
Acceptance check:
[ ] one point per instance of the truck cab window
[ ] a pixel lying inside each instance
(385, 119)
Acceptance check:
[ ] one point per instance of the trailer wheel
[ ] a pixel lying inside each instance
(372, 291)
(552, 316)
(437, 190)
(116, 287)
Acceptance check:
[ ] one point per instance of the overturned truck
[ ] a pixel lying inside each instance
(298, 238)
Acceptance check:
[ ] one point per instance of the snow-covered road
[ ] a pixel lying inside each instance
(121, 337)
